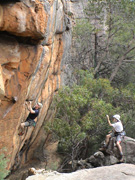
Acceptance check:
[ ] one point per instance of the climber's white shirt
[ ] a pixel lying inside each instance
(118, 126)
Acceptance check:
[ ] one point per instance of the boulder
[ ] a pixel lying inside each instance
(115, 172)
(110, 156)
(97, 159)
(128, 147)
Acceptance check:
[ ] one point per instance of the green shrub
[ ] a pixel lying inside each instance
(3, 165)
(80, 122)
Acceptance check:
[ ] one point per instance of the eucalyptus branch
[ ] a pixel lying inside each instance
(120, 60)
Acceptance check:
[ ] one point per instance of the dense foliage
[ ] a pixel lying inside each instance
(3, 165)
(80, 123)
(104, 43)
(106, 39)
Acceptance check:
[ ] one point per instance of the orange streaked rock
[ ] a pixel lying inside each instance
(28, 70)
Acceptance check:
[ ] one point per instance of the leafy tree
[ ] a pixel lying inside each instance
(106, 38)
(80, 123)
(3, 165)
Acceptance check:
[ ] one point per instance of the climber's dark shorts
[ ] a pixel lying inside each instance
(30, 122)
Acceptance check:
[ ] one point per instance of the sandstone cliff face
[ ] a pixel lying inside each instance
(35, 38)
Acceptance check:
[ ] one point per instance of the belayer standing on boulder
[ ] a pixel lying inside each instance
(117, 132)
(30, 121)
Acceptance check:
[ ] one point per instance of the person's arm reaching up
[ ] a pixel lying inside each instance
(30, 108)
(108, 120)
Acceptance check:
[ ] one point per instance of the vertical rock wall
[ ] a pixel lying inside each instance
(35, 38)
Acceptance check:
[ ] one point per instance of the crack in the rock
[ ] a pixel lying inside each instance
(21, 39)
(9, 1)
(128, 174)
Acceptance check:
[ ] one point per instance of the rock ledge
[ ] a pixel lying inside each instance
(115, 172)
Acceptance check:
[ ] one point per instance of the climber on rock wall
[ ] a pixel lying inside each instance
(116, 132)
(30, 121)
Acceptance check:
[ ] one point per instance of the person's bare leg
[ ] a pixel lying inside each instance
(119, 146)
(120, 150)
(21, 129)
(108, 136)
(22, 126)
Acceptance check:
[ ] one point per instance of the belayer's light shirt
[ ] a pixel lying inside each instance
(118, 127)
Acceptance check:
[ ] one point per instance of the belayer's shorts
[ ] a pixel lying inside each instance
(118, 136)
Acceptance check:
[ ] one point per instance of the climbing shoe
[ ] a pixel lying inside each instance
(20, 134)
(102, 149)
(121, 158)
